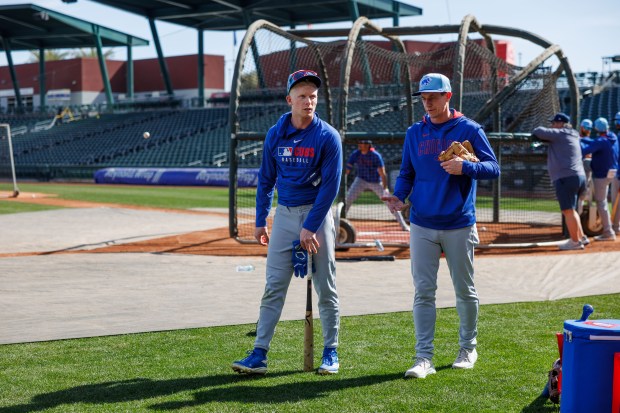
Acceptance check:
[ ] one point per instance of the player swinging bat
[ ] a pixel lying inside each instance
(303, 154)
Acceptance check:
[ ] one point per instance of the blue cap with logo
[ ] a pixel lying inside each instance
(601, 125)
(300, 75)
(586, 124)
(560, 117)
(433, 83)
(617, 117)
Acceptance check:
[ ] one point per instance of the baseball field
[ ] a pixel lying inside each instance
(123, 298)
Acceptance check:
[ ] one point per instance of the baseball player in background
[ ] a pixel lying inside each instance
(370, 174)
(604, 150)
(615, 185)
(443, 217)
(565, 167)
(585, 129)
(302, 156)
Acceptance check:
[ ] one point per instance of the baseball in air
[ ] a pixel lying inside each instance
(146, 135)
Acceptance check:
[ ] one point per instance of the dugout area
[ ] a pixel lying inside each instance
(368, 78)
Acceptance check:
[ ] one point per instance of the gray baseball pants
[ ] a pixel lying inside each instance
(601, 185)
(287, 225)
(458, 246)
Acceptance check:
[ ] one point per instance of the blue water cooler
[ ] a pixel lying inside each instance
(588, 355)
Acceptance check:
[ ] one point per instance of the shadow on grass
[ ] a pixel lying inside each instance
(126, 391)
(141, 389)
(280, 393)
(541, 405)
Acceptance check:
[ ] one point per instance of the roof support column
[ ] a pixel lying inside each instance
(201, 69)
(160, 57)
(103, 68)
(18, 97)
(130, 79)
(42, 81)
(293, 56)
(396, 17)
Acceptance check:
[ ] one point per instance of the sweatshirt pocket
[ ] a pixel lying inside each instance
(437, 202)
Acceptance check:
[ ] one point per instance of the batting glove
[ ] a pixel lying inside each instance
(300, 260)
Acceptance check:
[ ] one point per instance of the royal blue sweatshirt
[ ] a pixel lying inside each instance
(304, 164)
(604, 150)
(367, 165)
(439, 200)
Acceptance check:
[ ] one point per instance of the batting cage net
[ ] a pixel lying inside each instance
(368, 76)
(7, 162)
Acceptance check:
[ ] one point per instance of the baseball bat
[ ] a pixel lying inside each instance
(308, 323)
(615, 207)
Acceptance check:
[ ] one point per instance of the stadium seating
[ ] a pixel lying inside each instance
(200, 137)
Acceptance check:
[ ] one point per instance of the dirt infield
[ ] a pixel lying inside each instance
(217, 242)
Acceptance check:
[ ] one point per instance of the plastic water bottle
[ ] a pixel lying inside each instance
(244, 268)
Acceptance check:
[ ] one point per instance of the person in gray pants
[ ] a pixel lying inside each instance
(302, 156)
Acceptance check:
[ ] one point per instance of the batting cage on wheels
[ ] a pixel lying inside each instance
(368, 75)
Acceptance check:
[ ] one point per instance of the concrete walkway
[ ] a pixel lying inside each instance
(49, 297)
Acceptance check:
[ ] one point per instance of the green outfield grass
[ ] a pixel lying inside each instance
(202, 197)
(151, 196)
(189, 370)
(17, 207)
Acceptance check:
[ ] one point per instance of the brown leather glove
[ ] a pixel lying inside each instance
(463, 150)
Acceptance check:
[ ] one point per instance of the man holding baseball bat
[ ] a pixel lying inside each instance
(302, 156)
(442, 184)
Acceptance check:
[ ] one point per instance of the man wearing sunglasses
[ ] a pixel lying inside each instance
(302, 157)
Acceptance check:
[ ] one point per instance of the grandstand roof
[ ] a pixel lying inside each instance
(30, 27)
(239, 14)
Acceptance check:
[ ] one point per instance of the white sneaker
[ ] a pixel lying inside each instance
(466, 359)
(605, 237)
(421, 368)
(585, 240)
(571, 245)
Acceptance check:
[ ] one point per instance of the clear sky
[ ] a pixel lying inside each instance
(586, 31)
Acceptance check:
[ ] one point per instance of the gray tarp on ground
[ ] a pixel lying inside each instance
(82, 295)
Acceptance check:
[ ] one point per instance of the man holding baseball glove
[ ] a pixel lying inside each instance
(441, 172)
(302, 156)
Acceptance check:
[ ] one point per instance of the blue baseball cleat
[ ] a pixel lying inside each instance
(254, 363)
(330, 364)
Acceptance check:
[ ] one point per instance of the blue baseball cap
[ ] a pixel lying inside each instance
(601, 125)
(300, 75)
(586, 124)
(560, 117)
(434, 83)
(617, 117)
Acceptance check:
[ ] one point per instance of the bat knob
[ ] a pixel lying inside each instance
(587, 310)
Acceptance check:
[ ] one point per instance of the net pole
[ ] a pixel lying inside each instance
(12, 160)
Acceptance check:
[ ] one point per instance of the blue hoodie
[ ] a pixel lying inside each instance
(305, 165)
(439, 200)
(604, 150)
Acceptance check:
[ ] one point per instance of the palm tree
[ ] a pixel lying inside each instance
(50, 54)
(92, 52)
(57, 54)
